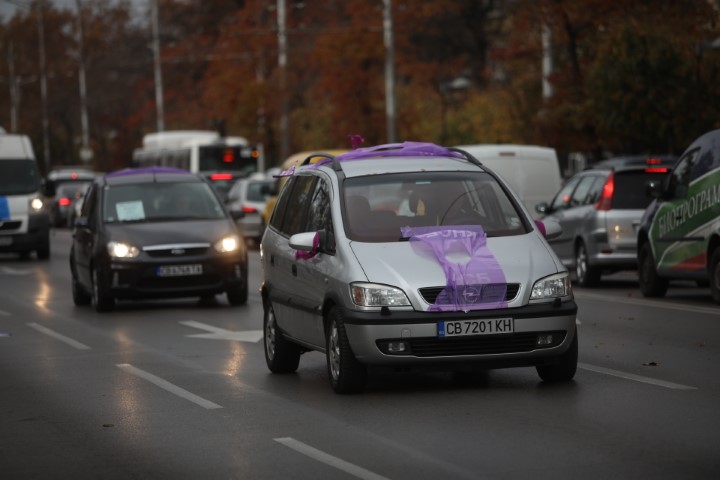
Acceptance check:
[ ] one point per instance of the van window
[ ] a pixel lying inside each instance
(18, 177)
(682, 174)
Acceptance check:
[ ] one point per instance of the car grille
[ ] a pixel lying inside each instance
(176, 252)
(481, 345)
(429, 294)
(12, 225)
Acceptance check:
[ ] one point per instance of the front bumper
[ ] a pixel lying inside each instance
(138, 280)
(370, 332)
(25, 234)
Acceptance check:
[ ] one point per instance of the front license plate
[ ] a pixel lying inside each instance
(490, 326)
(5, 241)
(179, 270)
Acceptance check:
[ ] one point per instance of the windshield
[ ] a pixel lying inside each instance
(18, 177)
(376, 207)
(148, 202)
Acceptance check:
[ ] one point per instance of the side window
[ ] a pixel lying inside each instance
(299, 204)
(596, 189)
(581, 194)
(682, 174)
(278, 215)
(562, 199)
(319, 211)
(89, 207)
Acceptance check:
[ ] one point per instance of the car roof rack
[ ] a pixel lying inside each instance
(405, 149)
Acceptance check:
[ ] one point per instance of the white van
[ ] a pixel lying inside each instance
(533, 172)
(24, 222)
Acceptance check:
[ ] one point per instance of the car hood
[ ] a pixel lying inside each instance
(523, 259)
(163, 233)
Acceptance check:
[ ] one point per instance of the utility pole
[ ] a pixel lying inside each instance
(389, 71)
(14, 88)
(85, 151)
(282, 66)
(547, 62)
(158, 68)
(43, 86)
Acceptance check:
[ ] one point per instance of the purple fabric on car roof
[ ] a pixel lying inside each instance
(475, 284)
(405, 149)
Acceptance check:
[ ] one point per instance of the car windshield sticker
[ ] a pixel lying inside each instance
(4, 209)
(474, 278)
(127, 211)
(303, 255)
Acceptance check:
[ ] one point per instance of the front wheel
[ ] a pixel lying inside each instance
(565, 369)
(715, 275)
(651, 284)
(237, 295)
(346, 374)
(101, 298)
(585, 275)
(281, 355)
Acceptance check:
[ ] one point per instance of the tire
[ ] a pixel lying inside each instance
(237, 295)
(715, 275)
(651, 285)
(585, 275)
(43, 253)
(281, 355)
(346, 374)
(101, 298)
(80, 298)
(565, 369)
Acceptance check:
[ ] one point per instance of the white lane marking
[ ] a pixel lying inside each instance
(648, 303)
(328, 459)
(217, 333)
(165, 385)
(637, 378)
(62, 338)
(4, 313)
(15, 271)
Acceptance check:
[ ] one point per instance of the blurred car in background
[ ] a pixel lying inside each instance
(599, 210)
(222, 182)
(66, 182)
(249, 196)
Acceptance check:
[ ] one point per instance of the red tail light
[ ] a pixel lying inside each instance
(656, 170)
(605, 202)
(247, 209)
(221, 176)
(64, 201)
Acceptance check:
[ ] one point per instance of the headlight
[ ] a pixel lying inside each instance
(36, 204)
(122, 250)
(554, 286)
(373, 295)
(228, 244)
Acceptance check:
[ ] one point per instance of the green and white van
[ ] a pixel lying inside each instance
(24, 221)
(679, 235)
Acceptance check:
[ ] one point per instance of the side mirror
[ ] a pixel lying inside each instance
(550, 229)
(306, 244)
(542, 207)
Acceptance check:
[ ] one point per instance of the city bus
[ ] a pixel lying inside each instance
(220, 159)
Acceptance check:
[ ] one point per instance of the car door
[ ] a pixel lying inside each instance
(83, 236)
(678, 245)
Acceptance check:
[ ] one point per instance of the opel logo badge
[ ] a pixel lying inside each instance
(471, 294)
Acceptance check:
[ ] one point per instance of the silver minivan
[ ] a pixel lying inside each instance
(412, 255)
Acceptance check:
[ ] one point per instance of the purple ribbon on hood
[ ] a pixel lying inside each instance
(476, 282)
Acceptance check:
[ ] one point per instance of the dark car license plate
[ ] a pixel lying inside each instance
(179, 270)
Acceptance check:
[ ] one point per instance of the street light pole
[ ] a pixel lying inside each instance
(43, 86)
(158, 68)
(85, 152)
(389, 71)
(282, 67)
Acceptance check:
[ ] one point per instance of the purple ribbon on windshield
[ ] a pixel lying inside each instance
(475, 281)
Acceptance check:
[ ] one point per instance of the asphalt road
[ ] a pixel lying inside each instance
(176, 389)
